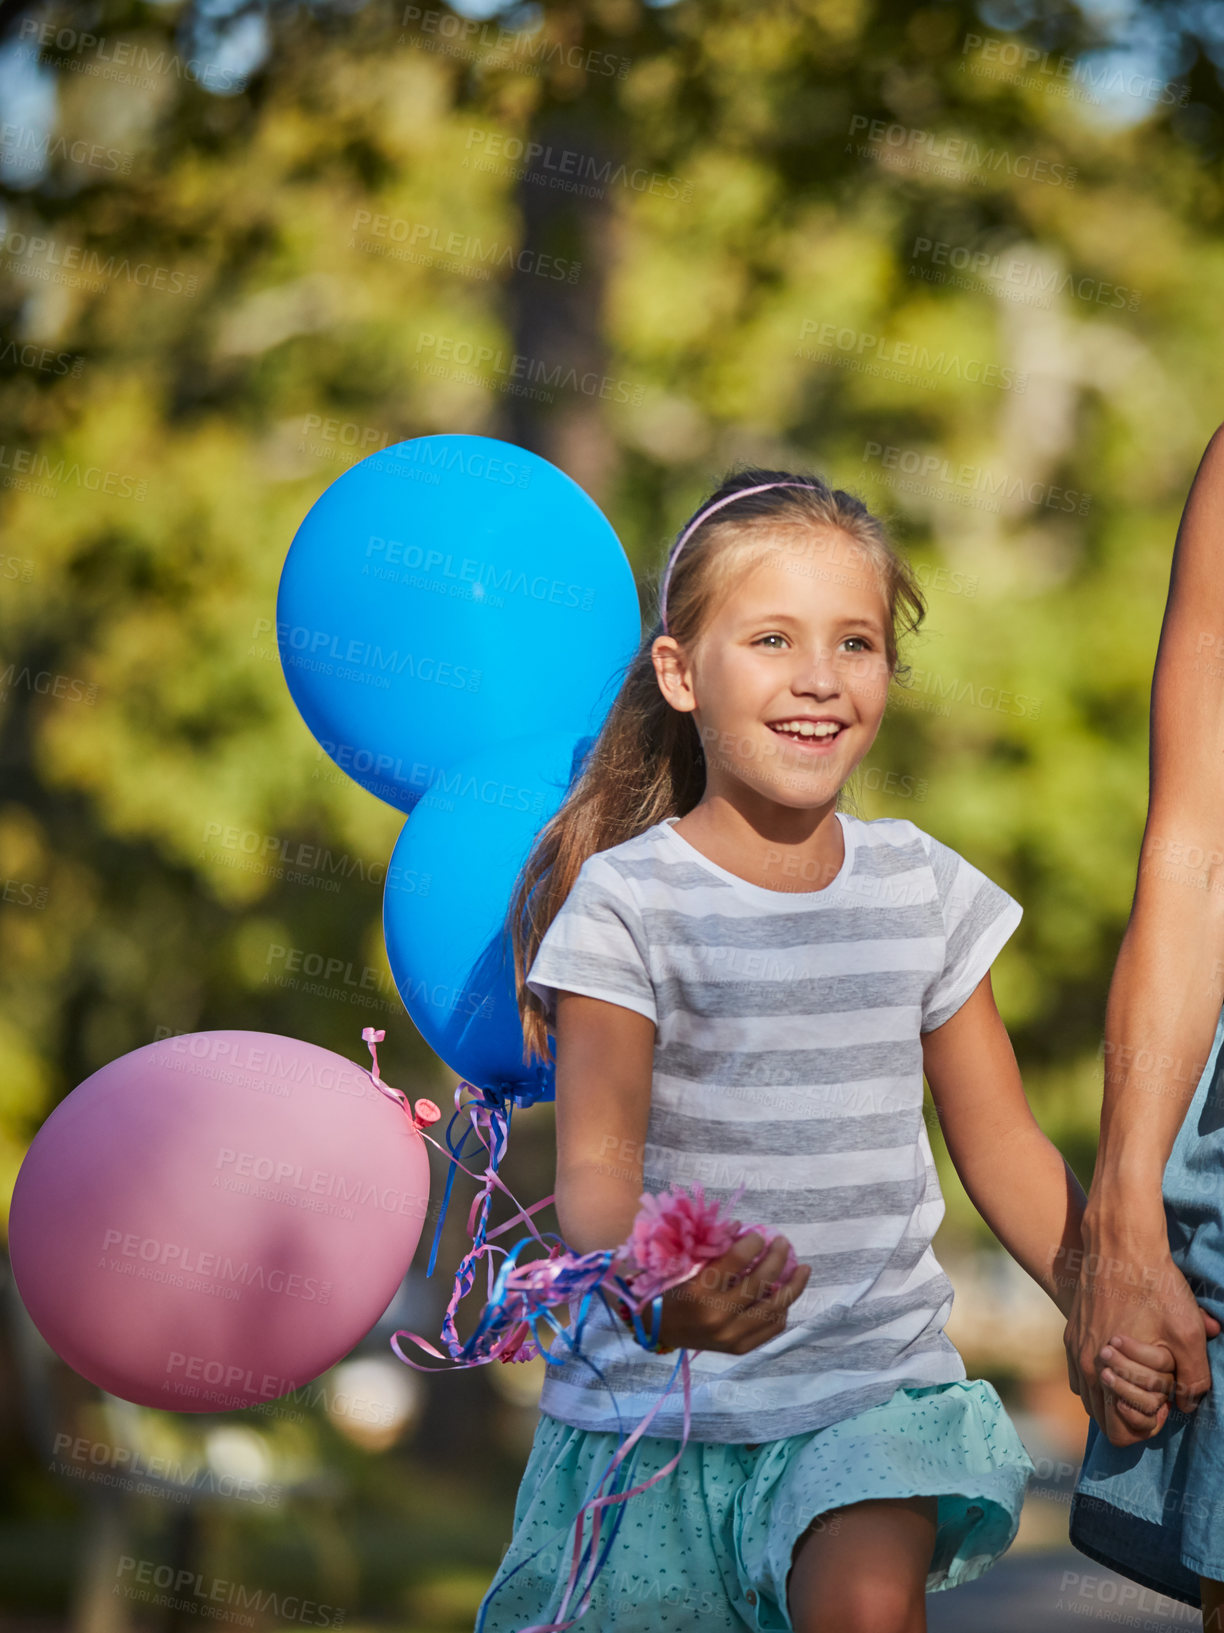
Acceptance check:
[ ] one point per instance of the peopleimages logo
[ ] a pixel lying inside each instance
(460, 37)
(568, 168)
(207, 1593)
(27, 145)
(434, 456)
(959, 158)
(107, 1463)
(899, 359)
(29, 254)
(117, 54)
(284, 858)
(473, 576)
(205, 1272)
(284, 1178)
(520, 374)
(1081, 78)
(1037, 282)
(935, 472)
(458, 251)
(29, 356)
(41, 468)
(242, 1055)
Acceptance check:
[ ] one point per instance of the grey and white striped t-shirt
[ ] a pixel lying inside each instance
(788, 1058)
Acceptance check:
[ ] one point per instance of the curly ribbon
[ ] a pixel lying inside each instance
(519, 1297)
(597, 1503)
(501, 1335)
(497, 1120)
(491, 1129)
(556, 1282)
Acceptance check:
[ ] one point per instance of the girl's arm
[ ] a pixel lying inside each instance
(1015, 1177)
(605, 1062)
(605, 1065)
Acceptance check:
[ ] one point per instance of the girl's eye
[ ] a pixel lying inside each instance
(856, 643)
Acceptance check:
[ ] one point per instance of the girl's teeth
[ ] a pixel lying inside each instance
(821, 733)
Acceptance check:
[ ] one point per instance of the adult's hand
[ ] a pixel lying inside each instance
(1133, 1287)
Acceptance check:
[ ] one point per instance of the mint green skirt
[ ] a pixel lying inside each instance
(710, 1544)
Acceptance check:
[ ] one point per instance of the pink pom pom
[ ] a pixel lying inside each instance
(673, 1234)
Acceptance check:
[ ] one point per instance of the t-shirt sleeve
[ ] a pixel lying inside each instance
(596, 945)
(979, 917)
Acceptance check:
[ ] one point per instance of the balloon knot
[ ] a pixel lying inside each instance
(371, 1036)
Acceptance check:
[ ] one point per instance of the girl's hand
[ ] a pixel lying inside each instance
(726, 1307)
(1141, 1379)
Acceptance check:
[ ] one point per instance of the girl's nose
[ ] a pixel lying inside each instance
(820, 671)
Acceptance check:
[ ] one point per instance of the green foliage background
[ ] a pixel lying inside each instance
(746, 205)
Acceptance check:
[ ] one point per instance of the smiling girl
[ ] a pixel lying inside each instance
(746, 985)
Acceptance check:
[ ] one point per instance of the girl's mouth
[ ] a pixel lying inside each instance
(811, 742)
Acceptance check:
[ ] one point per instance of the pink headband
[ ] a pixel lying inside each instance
(697, 521)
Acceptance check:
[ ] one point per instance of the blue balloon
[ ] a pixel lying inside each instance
(445, 595)
(448, 888)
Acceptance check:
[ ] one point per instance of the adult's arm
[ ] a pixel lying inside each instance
(1167, 985)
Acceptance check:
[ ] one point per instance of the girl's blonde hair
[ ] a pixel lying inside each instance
(647, 762)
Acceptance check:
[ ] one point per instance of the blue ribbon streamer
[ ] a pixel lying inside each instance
(501, 1116)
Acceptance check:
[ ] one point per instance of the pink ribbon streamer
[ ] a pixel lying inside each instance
(521, 1296)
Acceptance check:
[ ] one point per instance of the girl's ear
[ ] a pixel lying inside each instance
(673, 673)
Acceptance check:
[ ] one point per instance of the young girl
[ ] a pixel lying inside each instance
(746, 985)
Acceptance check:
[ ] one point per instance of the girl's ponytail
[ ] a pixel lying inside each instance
(645, 764)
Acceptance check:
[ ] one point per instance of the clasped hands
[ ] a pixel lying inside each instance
(1133, 1354)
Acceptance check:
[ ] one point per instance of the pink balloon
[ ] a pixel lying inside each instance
(215, 1219)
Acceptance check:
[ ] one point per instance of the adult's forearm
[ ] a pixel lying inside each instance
(1160, 1021)
(1167, 985)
